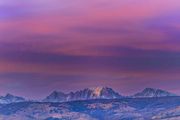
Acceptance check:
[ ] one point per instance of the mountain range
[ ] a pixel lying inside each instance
(86, 94)
(150, 92)
(89, 94)
(99, 103)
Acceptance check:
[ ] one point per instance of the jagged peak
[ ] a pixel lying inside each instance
(9, 95)
(150, 89)
(97, 90)
(57, 92)
(98, 87)
(153, 92)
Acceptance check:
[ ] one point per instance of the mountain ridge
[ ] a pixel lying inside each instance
(9, 98)
(85, 94)
(88, 94)
(153, 92)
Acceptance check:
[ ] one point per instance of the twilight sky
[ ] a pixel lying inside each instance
(68, 45)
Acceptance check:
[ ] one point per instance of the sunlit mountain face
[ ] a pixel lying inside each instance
(68, 45)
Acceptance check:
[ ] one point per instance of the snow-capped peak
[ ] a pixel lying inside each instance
(56, 96)
(8, 98)
(152, 92)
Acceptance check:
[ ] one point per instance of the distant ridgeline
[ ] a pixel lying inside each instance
(89, 94)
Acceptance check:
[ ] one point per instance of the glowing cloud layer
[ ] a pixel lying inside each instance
(60, 44)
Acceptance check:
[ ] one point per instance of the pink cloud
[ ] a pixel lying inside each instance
(80, 35)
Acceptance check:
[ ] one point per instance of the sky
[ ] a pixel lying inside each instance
(68, 45)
